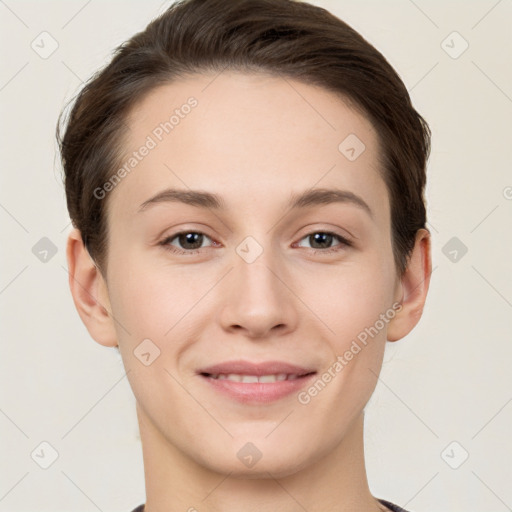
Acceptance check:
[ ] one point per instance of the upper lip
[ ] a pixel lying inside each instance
(248, 368)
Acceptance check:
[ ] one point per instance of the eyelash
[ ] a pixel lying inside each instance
(165, 243)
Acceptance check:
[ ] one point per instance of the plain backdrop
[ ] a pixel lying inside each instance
(438, 425)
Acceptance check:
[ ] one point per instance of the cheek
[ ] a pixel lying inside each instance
(149, 300)
(350, 299)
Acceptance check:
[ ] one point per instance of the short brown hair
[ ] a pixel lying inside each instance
(286, 38)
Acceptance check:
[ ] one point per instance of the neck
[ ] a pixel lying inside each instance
(336, 482)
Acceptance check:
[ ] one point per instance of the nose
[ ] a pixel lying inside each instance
(258, 298)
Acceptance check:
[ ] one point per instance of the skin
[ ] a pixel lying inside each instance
(253, 140)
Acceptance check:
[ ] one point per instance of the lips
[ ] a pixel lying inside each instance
(245, 368)
(256, 382)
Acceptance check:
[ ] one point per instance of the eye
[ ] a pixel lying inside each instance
(323, 240)
(190, 241)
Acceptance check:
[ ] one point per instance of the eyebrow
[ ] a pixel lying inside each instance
(207, 200)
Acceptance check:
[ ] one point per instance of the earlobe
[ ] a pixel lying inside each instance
(89, 292)
(414, 283)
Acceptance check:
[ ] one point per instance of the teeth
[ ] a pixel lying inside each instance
(268, 378)
(248, 379)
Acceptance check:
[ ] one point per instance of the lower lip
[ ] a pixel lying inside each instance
(257, 392)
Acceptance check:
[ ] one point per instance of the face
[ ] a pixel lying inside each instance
(275, 262)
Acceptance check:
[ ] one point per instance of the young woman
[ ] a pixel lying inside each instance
(246, 184)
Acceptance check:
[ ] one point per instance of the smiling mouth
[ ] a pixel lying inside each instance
(253, 379)
(256, 389)
(256, 383)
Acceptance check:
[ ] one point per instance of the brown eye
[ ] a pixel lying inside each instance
(323, 240)
(186, 242)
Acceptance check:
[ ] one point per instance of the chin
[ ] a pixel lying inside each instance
(249, 462)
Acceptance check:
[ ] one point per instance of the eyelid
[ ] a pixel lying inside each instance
(344, 234)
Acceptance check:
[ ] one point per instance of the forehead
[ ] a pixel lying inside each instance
(246, 134)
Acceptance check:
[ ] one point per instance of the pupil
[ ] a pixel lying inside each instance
(322, 238)
(189, 238)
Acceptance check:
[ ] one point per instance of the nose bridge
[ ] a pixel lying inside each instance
(258, 277)
(257, 299)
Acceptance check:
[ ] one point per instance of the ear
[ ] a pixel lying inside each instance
(89, 291)
(414, 285)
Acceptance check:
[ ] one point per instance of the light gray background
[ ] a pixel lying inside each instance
(448, 381)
